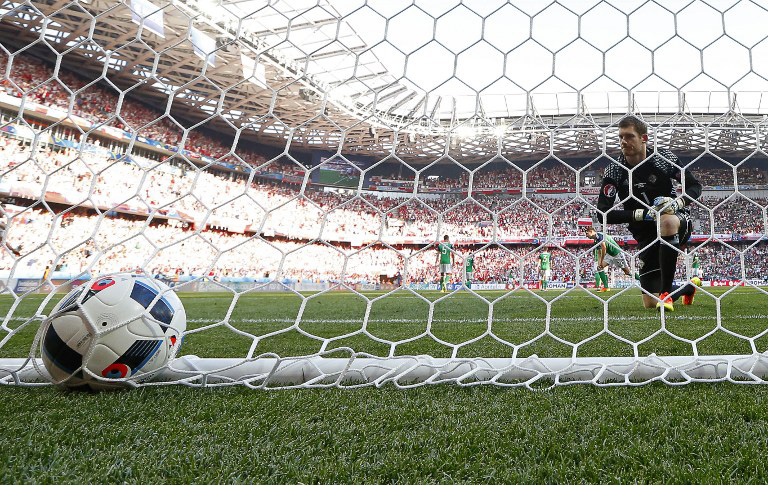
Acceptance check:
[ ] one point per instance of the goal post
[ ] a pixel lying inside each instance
(369, 194)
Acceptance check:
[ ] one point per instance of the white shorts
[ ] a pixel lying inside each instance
(545, 274)
(696, 272)
(617, 261)
(469, 274)
(445, 268)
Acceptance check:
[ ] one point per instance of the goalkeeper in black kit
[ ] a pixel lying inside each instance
(654, 174)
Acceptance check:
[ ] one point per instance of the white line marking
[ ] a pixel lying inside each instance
(485, 321)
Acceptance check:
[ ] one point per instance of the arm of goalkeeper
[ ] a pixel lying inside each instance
(667, 205)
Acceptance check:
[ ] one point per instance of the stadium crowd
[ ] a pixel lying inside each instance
(92, 101)
(101, 244)
(497, 176)
(203, 221)
(234, 200)
(35, 79)
(279, 211)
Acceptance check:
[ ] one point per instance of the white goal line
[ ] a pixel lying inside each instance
(654, 318)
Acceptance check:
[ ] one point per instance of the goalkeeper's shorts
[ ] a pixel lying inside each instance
(446, 268)
(648, 259)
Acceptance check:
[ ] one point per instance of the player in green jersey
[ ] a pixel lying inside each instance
(696, 266)
(545, 259)
(511, 283)
(607, 253)
(469, 269)
(445, 260)
(696, 273)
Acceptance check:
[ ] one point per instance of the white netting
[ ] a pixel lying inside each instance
(290, 167)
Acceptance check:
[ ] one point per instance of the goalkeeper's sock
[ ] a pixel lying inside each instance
(668, 261)
(597, 280)
(604, 277)
(637, 276)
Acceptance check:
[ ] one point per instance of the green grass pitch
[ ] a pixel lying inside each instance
(692, 433)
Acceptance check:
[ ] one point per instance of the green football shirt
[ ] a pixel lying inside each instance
(612, 248)
(545, 258)
(445, 252)
(470, 264)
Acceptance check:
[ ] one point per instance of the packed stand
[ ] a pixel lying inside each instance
(724, 176)
(98, 105)
(229, 200)
(110, 244)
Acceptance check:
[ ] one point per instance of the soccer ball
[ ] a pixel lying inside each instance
(102, 331)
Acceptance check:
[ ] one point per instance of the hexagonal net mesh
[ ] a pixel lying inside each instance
(384, 191)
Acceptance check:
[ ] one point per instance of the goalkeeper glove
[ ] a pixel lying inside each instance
(667, 205)
(641, 215)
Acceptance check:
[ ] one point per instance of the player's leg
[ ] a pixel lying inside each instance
(620, 261)
(669, 248)
(627, 271)
(650, 277)
(697, 272)
(442, 278)
(687, 291)
(603, 280)
(696, 279)
(596, 271)
(446, 271)
(598, 279)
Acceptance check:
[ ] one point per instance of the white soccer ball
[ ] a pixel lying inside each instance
(106, 330)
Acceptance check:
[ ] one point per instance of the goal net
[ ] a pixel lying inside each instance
(292, 169)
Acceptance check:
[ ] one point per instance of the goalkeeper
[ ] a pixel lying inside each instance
(607, 253)
(653, 177)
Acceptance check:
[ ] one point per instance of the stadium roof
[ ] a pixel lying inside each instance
(319, 75)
